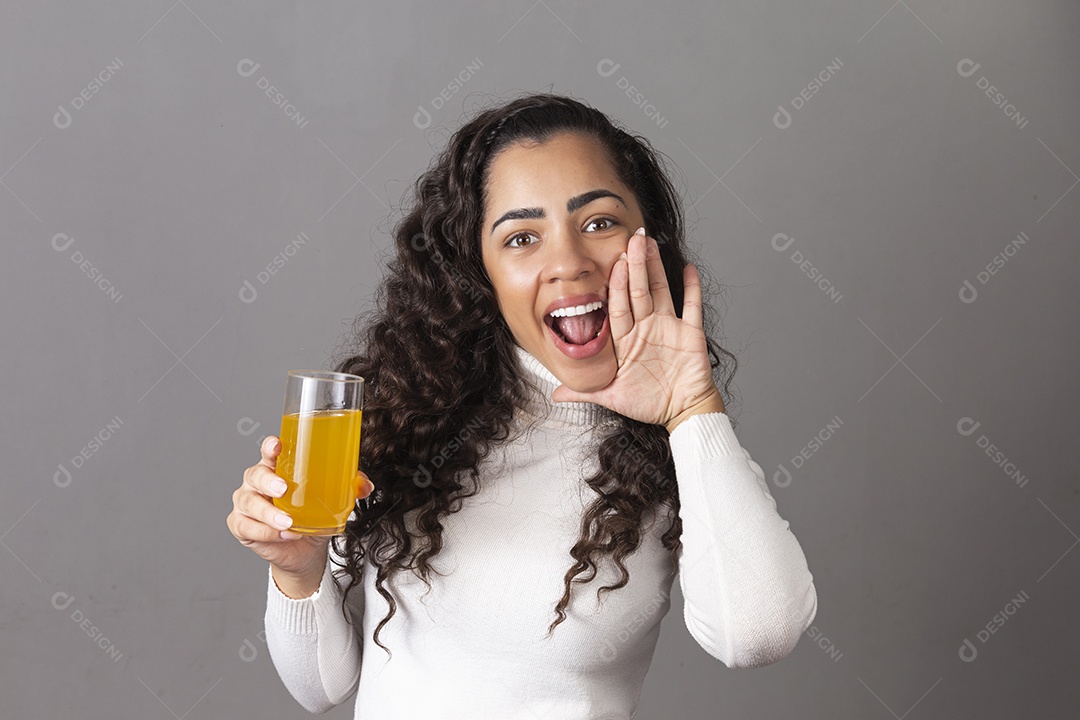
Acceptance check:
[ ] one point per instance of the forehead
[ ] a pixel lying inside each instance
(538, 174)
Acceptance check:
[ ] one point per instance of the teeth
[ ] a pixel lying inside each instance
(577, 310)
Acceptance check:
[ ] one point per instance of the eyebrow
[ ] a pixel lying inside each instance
(572, 205)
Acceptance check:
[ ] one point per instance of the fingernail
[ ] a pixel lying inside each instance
(288, 535)
(623, 257)
(640, 231)
(277, 488)
(282, 520)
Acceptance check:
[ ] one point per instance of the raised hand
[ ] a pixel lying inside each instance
(664, 374)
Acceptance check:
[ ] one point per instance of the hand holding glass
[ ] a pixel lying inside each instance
(320, 450)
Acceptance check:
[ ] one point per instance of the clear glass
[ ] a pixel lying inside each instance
(320, 449)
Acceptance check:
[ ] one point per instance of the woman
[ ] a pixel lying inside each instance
(540, 412)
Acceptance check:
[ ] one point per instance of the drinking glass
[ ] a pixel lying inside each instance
(320, 449)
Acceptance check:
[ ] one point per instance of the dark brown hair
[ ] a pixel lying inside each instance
(440, 369)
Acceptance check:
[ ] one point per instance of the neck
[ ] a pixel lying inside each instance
(541, 382)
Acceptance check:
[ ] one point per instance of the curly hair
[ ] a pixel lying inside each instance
(437, 356)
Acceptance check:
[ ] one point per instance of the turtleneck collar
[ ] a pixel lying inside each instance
(541, 382)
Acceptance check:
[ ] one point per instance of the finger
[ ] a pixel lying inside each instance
(258, 507)
(364, 485)
(271, 448)
(691, 312)
(264, 481)
(565, 394)
(640, 298)
(248, 530)
(658, 284)
(620, 320)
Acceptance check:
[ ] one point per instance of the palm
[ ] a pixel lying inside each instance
(663, 359)
(293, 556)
(663, 362)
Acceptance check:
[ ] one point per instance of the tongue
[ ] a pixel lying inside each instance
(579, 329)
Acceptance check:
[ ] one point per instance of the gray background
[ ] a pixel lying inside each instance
(180, 179)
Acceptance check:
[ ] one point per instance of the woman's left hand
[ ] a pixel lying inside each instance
(664, 374)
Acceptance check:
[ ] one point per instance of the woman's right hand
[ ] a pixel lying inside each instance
(255, 520)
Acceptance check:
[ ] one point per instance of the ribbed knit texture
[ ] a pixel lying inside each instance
(474, 645)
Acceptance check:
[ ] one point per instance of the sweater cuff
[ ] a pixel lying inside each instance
(297, 615)
(707, 435)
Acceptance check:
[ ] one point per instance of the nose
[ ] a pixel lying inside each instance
(566, 256)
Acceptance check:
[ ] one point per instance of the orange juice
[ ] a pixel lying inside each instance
(319, 459)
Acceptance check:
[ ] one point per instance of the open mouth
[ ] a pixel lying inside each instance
(577, 325)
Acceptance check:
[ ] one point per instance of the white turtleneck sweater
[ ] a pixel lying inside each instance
(474, 645)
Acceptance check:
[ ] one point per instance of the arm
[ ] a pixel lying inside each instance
(315, 651)
(748, 592)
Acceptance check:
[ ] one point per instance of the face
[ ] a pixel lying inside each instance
(556, 218)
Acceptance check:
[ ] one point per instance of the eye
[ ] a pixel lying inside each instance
(607, 220)
(510, 240)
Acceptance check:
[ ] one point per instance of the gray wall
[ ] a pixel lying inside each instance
(149, 182)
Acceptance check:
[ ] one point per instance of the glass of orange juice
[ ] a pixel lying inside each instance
(320, 449)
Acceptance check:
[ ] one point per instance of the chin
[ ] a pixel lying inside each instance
(582, 376)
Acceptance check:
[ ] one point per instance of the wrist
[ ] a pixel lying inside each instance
(298, 586)
(710, 403)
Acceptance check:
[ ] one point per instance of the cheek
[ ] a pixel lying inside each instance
(516, 290)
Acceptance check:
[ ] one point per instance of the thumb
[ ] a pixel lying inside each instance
(565, 394)
(365, 486)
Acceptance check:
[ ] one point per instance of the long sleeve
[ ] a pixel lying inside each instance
(316, 652)
(748, 592)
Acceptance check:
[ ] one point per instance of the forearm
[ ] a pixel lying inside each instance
(312, 644)
(748, 591)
